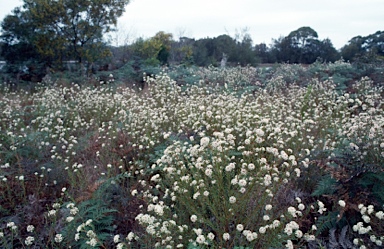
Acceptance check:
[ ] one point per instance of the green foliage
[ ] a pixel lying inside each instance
(374, 181)
(364, 48)
(302, 46)
(326, 222)
(100, 217)
(326, 186)
(54, 31)
(141, 164)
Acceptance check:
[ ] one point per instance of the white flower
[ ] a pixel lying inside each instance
(284, 155)
(262, 230)
(370, 209)
(266, 217)
(74, 210)
(372, 238)
(91, 234)
(341, 203)
(267, 180)
(208, 172)
(134, 192)
(275, 223)
(200, 239)
(130, 236)
(226, 236)
(251, 236)
(204, 142)
(288, 230)
(30, 228)
(92, 242)
(299, 234)
(51, 213)
(69, 218)
(366, 218)
(298, 172)
(268, 207)
(195, 195)
(29, 240)
(292, 211)
(322, 209)
(356, 241)
(301, 206)
(380, 215)
(120, 246)
(159, 210)
(310, 237)
(230, 167)
(232, 199)
(242, 182)
(239, 227)
(193, 218)
(251, 166)
(56, 205)
(58, 238)
(211, 236)
(289, 244)
(70, 205)
(116, 238)
(259, 132)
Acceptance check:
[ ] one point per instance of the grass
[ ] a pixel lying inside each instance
(240, 158)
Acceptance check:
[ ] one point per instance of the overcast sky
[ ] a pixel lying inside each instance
(338, 20)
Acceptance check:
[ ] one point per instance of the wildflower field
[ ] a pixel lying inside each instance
(286, 157)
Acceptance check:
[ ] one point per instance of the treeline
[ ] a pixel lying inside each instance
(41, 37)
(301, 46)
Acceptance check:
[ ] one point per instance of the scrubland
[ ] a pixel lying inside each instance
(238, 157)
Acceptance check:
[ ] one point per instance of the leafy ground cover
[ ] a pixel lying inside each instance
(208, 158)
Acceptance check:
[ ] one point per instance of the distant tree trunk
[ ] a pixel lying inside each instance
(223, 61)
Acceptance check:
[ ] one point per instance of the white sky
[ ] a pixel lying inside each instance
(338, 20)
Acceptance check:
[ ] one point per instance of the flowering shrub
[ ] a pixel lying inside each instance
(199, 165)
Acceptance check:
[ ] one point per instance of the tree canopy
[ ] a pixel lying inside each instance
(303, 46)
(364, 48)
(51, 31)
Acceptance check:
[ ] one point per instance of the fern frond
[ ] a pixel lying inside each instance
(333, 244)
(344, 242)
(326, 186)
(327, 222)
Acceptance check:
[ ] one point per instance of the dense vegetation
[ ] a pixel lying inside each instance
(164, 143)
(241, 157)
(42, 37)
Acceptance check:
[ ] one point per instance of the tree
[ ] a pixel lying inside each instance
(328, 52)
(202, 52)
(244, 51)
(263, 53)
(364, 48)
(154, 50)
(303, 42)
(58, 30)
(303, 46)
(182, 51)
(165, 39)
